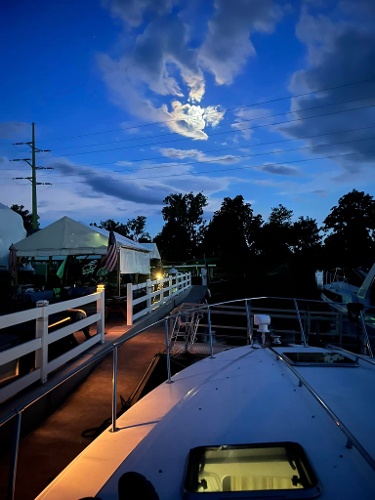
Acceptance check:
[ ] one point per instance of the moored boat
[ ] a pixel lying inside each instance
(349, 298)
(273, 418)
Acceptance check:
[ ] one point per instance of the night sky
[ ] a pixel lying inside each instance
(138, 99)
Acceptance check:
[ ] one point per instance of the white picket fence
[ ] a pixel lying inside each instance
(141, 299)
(152, 294)
(40, 346)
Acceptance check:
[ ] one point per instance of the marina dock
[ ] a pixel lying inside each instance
(83, 408)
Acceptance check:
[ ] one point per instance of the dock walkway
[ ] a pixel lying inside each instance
(45, 451)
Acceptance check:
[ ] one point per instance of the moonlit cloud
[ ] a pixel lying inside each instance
(190, 120)
(161, 61)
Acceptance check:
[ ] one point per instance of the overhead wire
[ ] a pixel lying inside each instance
(257, 103)
(254, 167)
(234, 157)
(237, 157)
(231, 131)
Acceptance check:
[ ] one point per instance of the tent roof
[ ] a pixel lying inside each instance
(154, 251)
(68, 237)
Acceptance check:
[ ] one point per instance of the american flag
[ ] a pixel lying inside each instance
(110, 259)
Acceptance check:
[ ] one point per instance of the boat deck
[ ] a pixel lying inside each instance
(48, 449)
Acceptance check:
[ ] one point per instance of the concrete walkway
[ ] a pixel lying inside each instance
(86, 411)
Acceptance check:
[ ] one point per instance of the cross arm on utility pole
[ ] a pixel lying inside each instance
(32, 162)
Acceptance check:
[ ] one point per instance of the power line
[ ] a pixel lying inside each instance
(285, 162)
(250, 128)
(234, 157)
(258, 166)
(232, 131)
(257, 103)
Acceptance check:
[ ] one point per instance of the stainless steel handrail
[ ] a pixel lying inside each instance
(351, 439)
(365, 334)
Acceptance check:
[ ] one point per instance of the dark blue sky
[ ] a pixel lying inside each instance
(138, 99)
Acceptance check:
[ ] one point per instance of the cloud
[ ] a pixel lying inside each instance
(146, 186)
(246, 118)
(278, 169)
(190, 120)
(159, 73)
(132, 12)
(13, 130)
(198, 156)
(228, 46)
(339, 55)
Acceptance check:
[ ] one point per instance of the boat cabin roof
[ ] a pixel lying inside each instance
(299, 407)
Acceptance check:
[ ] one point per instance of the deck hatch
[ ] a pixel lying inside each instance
(228, 471)
(326, 358)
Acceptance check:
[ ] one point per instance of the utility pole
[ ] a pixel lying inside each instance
(32, 162)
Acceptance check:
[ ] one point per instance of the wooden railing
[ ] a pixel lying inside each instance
(143, 298)
(41, 346)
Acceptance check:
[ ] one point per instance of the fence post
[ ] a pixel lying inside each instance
(129, 304)
(148, 293)
(42, 333)
(100, 308)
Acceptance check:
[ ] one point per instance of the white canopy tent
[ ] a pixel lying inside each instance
(69, 237)
(134, 257)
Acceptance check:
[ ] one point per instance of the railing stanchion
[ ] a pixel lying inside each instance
(210, 332)
(114, 389)
(14, 459)
(248, 324)
(168, 352)
(300, 323)
(365, 337)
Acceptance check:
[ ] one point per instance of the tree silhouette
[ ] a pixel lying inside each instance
(26, 216)
(350, 229)
(133, 229)
(231, 234)
(182, 233)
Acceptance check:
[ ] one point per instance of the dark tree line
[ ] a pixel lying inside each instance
(244, 246)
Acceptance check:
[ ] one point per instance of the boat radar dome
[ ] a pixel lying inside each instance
(262, 320)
